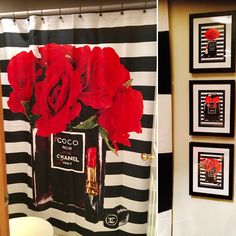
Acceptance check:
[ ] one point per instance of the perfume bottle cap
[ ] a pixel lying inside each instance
(91, 157)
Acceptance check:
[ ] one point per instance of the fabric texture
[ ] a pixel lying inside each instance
(133, 36)
(165, 155)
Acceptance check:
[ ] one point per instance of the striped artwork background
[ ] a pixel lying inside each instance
(133, 36)
(203, 182)
(220, 42)
(203, 121)
(165, 154)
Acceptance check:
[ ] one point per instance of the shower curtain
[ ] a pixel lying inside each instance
(126, 181)
(165, 155)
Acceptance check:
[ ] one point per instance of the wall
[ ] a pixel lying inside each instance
(193, 215)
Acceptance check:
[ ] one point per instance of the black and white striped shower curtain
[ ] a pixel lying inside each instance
(133, 36)
(165, 155)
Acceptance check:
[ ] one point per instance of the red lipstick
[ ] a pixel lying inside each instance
(92, 187)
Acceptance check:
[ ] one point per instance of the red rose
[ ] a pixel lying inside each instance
(52, 52)
(80, 59)
(15, 100)
(209, 164)
(104, 75)
(22, 74)
(57, 98)
(209, 99)
(203, 163)
(212, 34)
(217, 165)
(123, 116)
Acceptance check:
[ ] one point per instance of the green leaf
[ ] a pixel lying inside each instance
(32, 118)
(104, 135)
(26, 105)
(87, 124)
(128, 83)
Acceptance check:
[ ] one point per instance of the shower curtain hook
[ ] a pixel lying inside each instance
(80, 16)
(122, 9)
(14, 17)
(27, 12)
(42, 18)
(60, 17)
(100, 14)
(145, 7)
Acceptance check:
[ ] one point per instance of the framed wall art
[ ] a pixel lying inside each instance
(212, 42)
(211, 170)
(211, 107)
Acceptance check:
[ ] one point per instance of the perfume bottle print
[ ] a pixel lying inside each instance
(69, 168)
(211, 47)
(42, 189)
(212, 108)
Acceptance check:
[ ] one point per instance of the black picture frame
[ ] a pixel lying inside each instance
(211, 107)
(212, 42)
(211, 170)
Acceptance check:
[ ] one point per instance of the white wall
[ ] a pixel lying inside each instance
(193, 216)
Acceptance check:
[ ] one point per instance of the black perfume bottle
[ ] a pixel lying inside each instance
(211, 176)
(212, 48)
(62, 171)
(42, 191)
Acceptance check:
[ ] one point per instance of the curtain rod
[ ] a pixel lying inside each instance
(82, 9)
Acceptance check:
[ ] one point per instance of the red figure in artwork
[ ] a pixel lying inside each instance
(211, 48)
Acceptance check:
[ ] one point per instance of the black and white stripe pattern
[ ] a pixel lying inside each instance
(220, 121)
(133, 36)
(220, 43)
(203, 181)
(165, 155)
